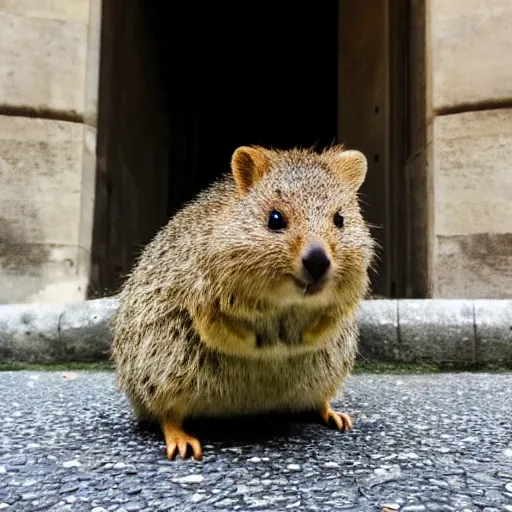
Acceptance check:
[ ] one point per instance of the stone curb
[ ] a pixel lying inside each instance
(399, 331)
(54, 333)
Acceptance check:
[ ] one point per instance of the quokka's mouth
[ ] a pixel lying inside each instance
(310, 288)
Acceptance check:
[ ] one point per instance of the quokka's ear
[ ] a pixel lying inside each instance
(248, 165)
(351, 166)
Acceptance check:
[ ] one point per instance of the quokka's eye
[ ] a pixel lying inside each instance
(276, 221)
(338, 219)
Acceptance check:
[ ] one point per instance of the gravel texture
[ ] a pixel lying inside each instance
(440, 442)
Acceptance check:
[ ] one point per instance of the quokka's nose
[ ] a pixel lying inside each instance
(316, 262)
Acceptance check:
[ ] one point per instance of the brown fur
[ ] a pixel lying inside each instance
(211, 320)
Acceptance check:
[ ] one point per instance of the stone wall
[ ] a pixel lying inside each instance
(470, 46)
(48, 94)
(457, 173)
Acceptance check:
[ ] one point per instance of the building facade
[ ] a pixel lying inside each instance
(49, 68)
(114, 113)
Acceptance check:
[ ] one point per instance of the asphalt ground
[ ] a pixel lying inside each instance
(437, 442)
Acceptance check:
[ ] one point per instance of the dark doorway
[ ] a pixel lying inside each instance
(250, 74)
(183, 84)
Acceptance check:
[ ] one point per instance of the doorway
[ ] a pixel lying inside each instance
(253, 75)
(183, 84)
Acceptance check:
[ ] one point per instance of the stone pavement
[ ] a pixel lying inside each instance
(438, 442)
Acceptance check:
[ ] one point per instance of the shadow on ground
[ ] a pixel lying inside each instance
(240, 430)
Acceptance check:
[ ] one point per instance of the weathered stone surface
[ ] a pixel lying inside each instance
(84, 271)
(436, 331)
(473, 205)
(433, 331)
(471, 45)
(28, 333)
(493, 331)
(87, 206)
(88, 185)
(92, 72)
(72, 10)
(39, 273)
(40, 209)
(41, 174)
(43, 63)
(56, 332)
(473, 267)
(85, 330)
(473, 173)
(378, 329)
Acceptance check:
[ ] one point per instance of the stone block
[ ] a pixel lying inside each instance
(471, 45)
(41, 177)
(66, 10)
(473, 173)
(43, 63)
(378, 330)
(473, 266)
(56, 333)
(29, 334)
(440, 331)
(40, 273)
(493, 321)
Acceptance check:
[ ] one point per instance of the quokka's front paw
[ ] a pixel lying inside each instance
(179, 442)
(338, 420)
